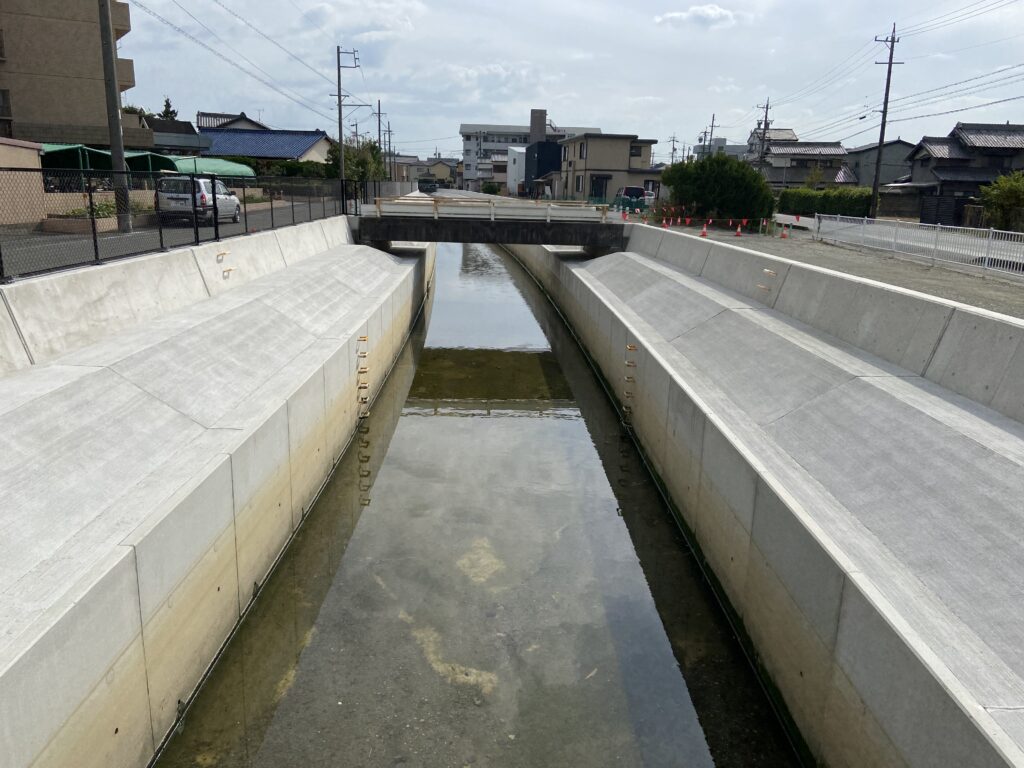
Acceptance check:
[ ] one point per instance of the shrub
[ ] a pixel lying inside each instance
(1004, 202)
(490, 188)
(720, 186)
(844, 201)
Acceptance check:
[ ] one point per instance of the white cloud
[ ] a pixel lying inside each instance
(710, 16)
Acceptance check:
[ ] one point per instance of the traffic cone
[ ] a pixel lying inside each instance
(798, 217)
(738, 233)
(783, 236)
(704, 231)
(730, 223)
(745, 222)
(679, 221)
(625, 216)
(664, 224)
(688, 220)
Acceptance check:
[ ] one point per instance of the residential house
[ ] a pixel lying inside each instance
(722, 146)
(895, 164)
(51, 73)
(268, 144)
(229, 120)
(482, 140)
(175, 137)
(795, 163)
(596, 165)
(947, 171)
(760, 137)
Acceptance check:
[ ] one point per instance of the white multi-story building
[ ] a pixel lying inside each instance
(482, 140)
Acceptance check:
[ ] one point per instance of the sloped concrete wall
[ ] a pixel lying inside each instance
(47, 316)
(177, 460)
(861, 623)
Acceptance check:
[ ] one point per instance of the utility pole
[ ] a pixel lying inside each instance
(117, 162)
(673, 139)
(341, 103)
(711, 136)
(703, 137)
(378, 123)
(891, 44)
(764, 130)
(391, 154)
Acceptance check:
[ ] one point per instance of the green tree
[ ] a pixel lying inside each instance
(814, 177)
(719, 185)
(132, 109)
(363, 161)
(490, 188)
(1004, 202)
(168, 112)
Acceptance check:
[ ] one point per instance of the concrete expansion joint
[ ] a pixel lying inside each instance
(156, 397)
(17, 328)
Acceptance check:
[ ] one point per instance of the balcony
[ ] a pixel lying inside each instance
(125, 74)
(121, 18)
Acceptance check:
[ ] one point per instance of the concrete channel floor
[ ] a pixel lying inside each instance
(994, 293)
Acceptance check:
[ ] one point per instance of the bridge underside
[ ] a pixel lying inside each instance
(594, 236)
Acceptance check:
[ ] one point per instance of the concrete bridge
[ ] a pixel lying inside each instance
(847, 459)
(475, 218)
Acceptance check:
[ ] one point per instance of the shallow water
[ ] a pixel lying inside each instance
(489, 578)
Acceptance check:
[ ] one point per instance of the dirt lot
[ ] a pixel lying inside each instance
(994, 293)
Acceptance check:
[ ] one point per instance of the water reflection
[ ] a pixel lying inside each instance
(504, 588)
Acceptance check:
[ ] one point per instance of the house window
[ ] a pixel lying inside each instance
(579, 182)
(583, 150)
(634, 150)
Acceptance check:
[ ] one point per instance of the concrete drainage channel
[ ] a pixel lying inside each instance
(815, 433)
(167, 423)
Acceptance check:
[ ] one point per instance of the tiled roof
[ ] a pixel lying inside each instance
(217, 119)
(942, 148)
(775, 134)
(966, 174)
(278, 145)
(990, 135)
(807, 148)
(159, 125)
(846, 176)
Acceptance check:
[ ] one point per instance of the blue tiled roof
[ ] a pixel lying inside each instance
(280, 145)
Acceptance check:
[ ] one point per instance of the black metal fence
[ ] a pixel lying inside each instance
(52, 220)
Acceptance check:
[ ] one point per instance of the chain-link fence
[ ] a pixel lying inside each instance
(51, 220)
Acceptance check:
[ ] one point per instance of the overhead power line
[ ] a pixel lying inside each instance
(273, 42)
(941, 22)
(967, 48)
(238, 53)
(938, 114)
(226, 59)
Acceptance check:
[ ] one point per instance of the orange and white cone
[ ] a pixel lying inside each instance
(704, 231)
(738, 233)
(784, 234)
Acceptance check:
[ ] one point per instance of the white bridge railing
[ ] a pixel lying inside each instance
(492, 209)
(986, 248)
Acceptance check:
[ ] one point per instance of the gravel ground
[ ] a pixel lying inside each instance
(993, 293)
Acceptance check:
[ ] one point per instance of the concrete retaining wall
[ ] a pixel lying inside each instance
(153, 478)
(47, 316)
(857, 614)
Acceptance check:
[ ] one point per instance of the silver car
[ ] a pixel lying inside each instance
(179, 197)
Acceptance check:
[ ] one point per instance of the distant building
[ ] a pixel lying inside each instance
(51, 73)
(763, 138)
(795, 163)
(268, 144)
(947, 171)
(895, 164)
(595, 165)
(722, 146)
(542, 159)
(175, 136)
(228, 120)
(516, 179)
(482, 140)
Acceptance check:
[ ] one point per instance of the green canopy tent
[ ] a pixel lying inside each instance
(78, 157)
(212, 165)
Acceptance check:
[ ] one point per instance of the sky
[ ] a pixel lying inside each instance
(650, 67)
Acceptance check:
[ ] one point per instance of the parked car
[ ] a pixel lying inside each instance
(178, 197)
(648, 198)
(630, 197)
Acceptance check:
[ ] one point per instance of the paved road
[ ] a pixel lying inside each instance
(35, 251)
(991, 291)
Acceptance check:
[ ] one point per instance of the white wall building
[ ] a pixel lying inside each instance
(516, 169)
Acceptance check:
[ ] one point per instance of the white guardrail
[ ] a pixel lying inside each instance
(986, 248)
(494, 209)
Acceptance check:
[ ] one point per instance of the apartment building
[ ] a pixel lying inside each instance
(481, 141)
(595, 165)
(51, 72)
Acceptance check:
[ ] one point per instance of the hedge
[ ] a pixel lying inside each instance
(845, 201)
